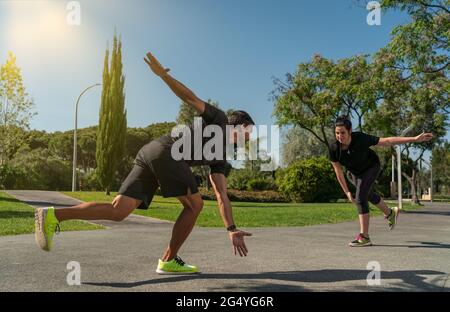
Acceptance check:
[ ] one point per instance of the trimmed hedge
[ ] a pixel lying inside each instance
(247, 196)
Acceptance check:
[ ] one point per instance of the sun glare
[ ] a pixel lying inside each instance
(35, 23)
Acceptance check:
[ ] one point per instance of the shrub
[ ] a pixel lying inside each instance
(309, 180)
(9, 175)
(260, 185)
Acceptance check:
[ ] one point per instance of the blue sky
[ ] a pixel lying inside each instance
(227, 51)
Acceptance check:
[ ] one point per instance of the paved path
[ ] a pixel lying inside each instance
(413, 257)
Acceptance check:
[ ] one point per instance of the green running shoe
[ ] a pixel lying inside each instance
(393, 217)
(360, 241)
(175, 266)
(45, 226)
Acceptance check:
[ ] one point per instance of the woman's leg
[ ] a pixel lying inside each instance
(364, 186)
(363, 207)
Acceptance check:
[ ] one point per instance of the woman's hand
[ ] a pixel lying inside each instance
(423, 137)
(350, 197)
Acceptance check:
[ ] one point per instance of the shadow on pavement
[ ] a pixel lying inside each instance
(46, 204)
(413, 279)
(438, 213)
(423, 245)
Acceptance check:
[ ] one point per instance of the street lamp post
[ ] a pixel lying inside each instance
(74, 169)
(431, 177)
(430, 164)
(393, 191)
(399, 169)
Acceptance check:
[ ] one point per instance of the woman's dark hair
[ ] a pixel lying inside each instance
(240, 117)
(343, 121)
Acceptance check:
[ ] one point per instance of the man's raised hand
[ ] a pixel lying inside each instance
(155, 66)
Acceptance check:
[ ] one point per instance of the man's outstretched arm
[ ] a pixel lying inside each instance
(183, 92)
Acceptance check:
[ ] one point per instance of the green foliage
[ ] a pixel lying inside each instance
(38, 169)
(136, 138)
(159, 129)
(61, 145)
(89, 182)
(266, 196)
(8, 176)
(421, 46)
(322, 89)
(111, 133)
(309, 180)
(238, 179)
(15, 109)
(441, 168)
(260, 185)
(38, 139)
(298, 143)
(250, 177)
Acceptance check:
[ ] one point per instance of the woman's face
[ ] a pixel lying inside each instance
(343, 135)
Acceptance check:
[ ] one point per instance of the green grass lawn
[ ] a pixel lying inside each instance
(246, 214)
(18, 218)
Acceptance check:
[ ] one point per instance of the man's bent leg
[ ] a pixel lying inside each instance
(193, 204)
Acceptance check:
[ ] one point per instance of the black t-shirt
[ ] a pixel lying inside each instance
(358, 157)
(211, 116)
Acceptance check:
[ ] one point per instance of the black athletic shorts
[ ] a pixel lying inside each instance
(153, 167)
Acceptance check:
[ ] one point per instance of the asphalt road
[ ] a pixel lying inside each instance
(413, 257)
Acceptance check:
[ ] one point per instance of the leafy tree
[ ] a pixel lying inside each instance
(419, 109)
(421, 46)
(38, 169)
(322, 89)
(37, 139)
(15, 109)
(441, 167)
(87, 144)
(157, 130)
(61, 145)
(112, 127)
(300, 144)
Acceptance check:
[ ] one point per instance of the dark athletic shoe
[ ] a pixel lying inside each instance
(360, 241)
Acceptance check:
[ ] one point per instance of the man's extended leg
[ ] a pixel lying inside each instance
(118, 210)
(47, 219)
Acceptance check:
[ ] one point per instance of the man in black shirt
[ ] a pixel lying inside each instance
(352, 150)
(155, 166)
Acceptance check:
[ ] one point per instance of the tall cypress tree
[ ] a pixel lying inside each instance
(112, 126)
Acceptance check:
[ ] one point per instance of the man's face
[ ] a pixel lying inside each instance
(240, 130)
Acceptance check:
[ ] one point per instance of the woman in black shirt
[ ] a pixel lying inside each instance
(352, 150)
